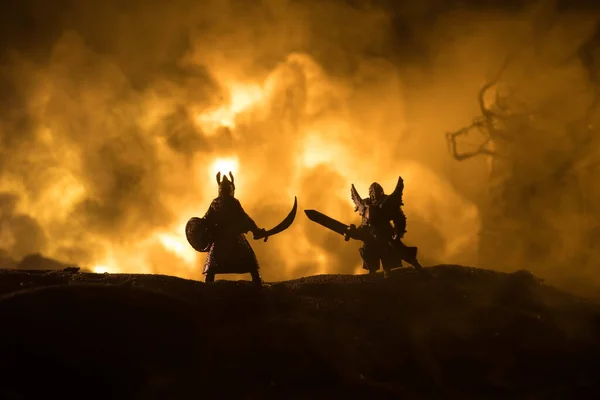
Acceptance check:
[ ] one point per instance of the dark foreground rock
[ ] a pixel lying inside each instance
(455, 332)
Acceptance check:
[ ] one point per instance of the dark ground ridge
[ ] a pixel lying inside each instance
(454, 332)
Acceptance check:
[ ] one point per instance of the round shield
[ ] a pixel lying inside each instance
(197, 234)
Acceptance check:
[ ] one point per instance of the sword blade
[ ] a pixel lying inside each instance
(402, 251)
(283, 225)
(326, 221)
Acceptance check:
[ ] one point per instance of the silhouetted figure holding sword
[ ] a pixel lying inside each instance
(221, 233)
(382, 244)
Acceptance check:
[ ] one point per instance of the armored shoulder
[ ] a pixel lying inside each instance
(237, 203)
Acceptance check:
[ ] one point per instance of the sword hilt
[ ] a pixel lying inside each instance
(351, 231)
(261, 234)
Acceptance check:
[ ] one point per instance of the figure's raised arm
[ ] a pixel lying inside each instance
(248, 223)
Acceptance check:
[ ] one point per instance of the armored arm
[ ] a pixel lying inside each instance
(248, 224)
(355, 232)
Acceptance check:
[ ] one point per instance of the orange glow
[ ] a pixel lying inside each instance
(105, 269)
(113, 137)
(242, 98)
(177, 244)
(224, 166)
(323, 144)
(284, 130)
(318, 151)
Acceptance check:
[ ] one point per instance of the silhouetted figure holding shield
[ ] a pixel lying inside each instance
(221, 233)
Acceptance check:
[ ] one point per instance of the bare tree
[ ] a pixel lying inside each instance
(485, 124)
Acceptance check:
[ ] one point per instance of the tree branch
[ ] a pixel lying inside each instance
(453, 145)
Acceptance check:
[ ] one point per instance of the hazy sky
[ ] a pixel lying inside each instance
(116, 115)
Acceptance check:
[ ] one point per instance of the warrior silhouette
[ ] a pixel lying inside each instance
(221, 233)
(382, 244)
(381, 241)
(230, 252)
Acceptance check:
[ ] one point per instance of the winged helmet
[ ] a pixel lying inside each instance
(393, 200)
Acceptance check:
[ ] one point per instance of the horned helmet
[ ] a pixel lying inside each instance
(226, 186)
(375, 192)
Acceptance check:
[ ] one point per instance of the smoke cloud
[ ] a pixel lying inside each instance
(116, 117)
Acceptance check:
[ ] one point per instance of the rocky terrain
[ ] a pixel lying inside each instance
(453, 332)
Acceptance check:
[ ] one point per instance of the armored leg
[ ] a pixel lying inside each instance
(388, 261)
(417, 264)
(256, 278)
(370, 259)
(209, 278)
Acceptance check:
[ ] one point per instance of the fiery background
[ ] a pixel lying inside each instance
(116, 115)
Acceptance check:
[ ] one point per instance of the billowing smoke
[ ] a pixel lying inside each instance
(116, 117)
(539, 210)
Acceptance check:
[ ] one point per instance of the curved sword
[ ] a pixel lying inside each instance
(282, 226)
